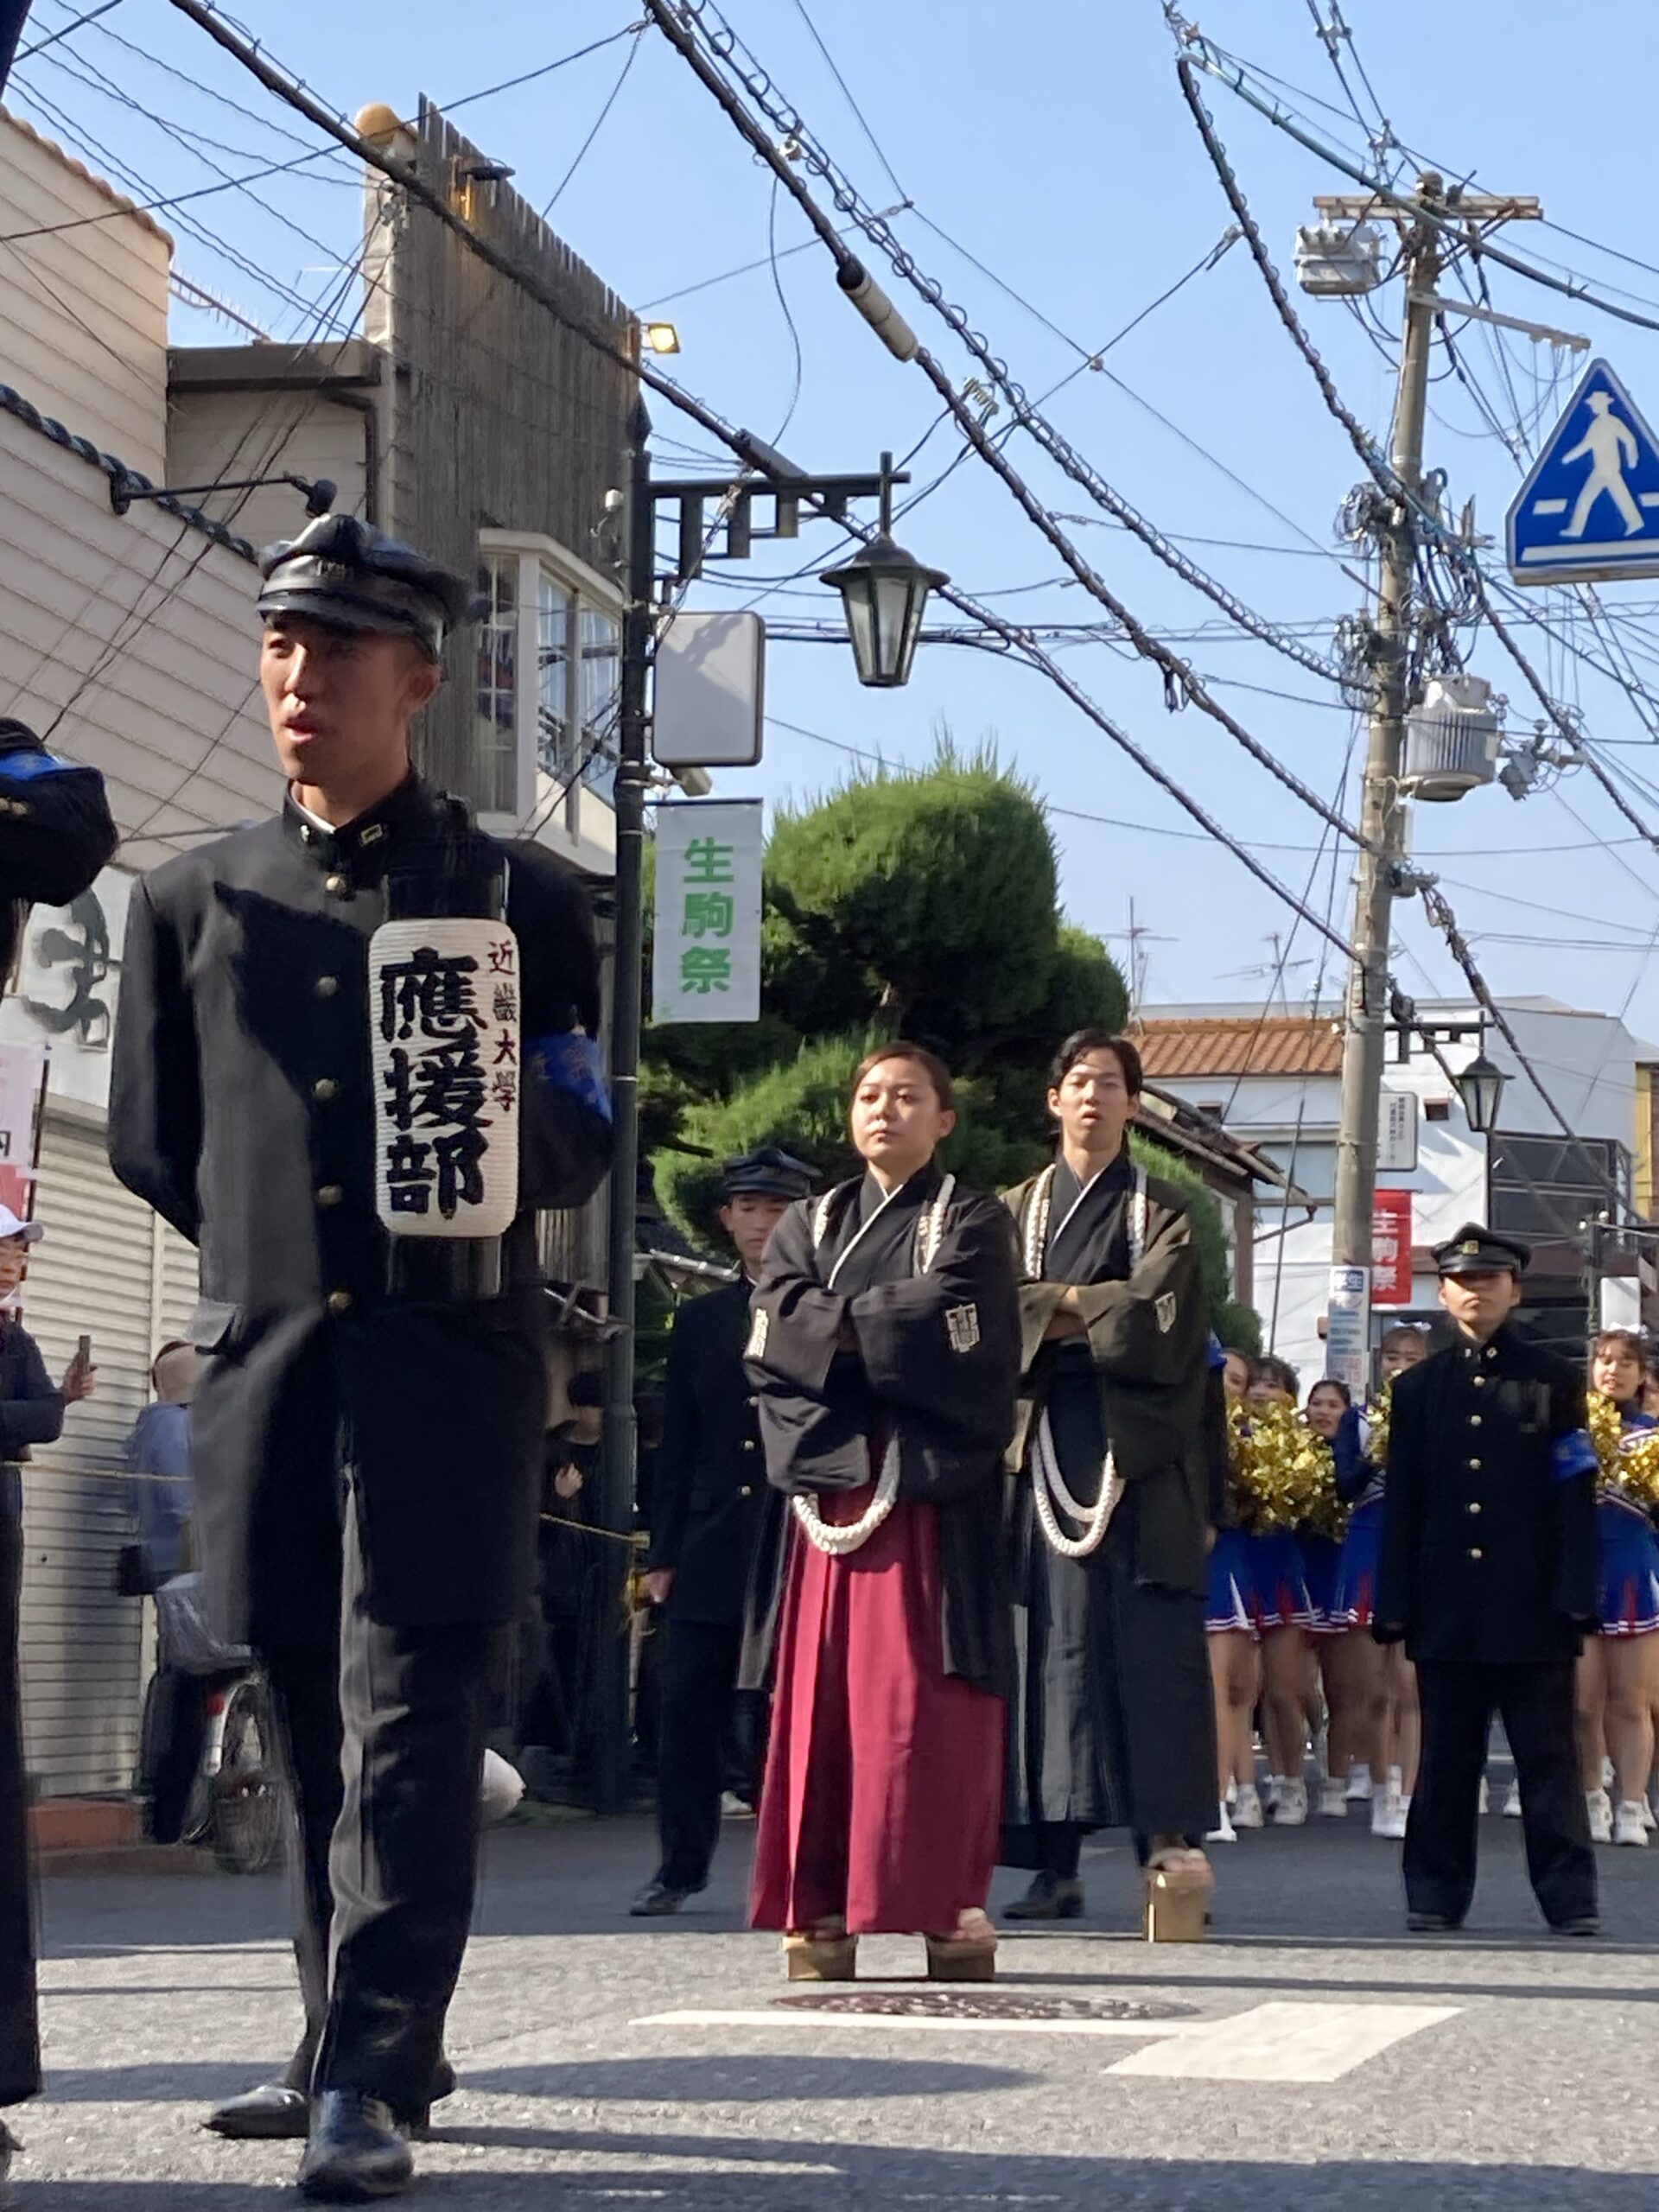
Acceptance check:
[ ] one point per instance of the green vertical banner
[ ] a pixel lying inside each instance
(13, 13)
(706, 966)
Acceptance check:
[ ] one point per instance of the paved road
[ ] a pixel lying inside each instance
(1309, 2056)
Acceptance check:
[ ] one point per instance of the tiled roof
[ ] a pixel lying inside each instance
(116, 199)
(1176, 1050)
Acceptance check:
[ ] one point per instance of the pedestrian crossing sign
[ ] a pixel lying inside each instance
(1589, 510)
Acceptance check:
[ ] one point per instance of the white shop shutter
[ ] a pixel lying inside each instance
(108, 1268)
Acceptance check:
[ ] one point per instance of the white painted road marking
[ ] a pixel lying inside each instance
(803, 2016)
(1290, 2042)
(1284, 2043)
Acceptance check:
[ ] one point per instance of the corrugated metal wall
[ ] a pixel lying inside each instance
(111, 1269)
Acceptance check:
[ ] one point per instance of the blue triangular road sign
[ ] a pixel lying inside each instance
(1590, 508)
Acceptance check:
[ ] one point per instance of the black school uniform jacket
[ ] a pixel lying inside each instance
(241, 1107)
(1489, 1520)
(710, 1501)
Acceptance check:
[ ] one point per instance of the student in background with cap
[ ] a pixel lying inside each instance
(711, 1509)
(366, 1461)
(1489, 1575)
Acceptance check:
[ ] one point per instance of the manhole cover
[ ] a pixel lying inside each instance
(983, 2005)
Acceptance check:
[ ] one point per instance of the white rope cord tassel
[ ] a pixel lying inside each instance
(838, 1540)
(1048, 1487)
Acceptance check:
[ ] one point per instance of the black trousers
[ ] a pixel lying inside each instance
(384, 1743)
(20, 2040)
(1536, 1704)
(706, 1743)
(174, 1736)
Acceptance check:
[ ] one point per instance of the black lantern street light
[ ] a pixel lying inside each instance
(1481, 1089)
(884, 591)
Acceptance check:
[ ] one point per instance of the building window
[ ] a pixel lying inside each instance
(549, 680)
(1549, 1187)
(495, 784)
(555, 753)
(601, 696)
(1310, 1162)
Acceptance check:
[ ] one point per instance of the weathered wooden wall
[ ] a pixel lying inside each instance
(501, 417)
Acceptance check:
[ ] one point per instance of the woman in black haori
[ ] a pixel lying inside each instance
(885, 1352)
(1123, 1464)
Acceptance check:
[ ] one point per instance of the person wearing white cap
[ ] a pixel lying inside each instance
(31, 1411)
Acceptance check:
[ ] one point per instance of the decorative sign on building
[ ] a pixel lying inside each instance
(445, 1021)
(22, 1068)
(1391, 1249)
(708, 946)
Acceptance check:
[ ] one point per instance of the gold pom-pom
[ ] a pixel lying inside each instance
(1627, 1458)
(1283, 1474)
(1378, 1416)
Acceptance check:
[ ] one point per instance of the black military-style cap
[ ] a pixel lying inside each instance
(1477, 1251)
(346, 572)
(768, 1172)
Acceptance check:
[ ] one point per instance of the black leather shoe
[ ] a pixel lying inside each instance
(272, 2113)
(657, 1899)
(356, 2154)
(1051, 1897)
(1431, 1923)
(1583, 1923)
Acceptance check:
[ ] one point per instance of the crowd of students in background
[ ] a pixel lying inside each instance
(1295, 1670)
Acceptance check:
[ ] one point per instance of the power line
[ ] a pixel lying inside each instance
(599, 125)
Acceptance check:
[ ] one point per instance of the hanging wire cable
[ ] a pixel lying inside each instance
(629, 59)
(711, 55)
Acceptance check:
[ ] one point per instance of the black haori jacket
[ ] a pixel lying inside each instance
(241, 1107)
(936, 1370)
(1148, 1333)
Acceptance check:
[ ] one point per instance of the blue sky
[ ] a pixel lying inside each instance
(1054, 145)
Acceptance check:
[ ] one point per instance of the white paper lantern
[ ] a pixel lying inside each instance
(445, 1017)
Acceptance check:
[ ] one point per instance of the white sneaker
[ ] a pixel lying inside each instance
(1512, 1802)
(1383, 1802)
(1628, 1826)
(1485, 1795)
(734, 1808)
(1333, 1800)
(1276, 1785)
(1247, 1808)
(1608, 1776)
(1359, 1783)
(1224, 1831)
(1600, 1807)
(1291, 1809)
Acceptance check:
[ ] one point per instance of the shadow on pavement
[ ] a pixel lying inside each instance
(758, 2079)
(868, 2177)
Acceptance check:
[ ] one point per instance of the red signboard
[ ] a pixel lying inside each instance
(1391, 1249)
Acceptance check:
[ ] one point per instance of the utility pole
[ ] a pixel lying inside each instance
(1382, 814)
(612, 1755)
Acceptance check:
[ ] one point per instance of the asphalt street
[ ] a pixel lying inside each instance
(1310, 2055)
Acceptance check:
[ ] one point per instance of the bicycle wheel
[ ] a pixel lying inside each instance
(250, 1803)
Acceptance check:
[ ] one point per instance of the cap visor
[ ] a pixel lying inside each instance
(340, 614)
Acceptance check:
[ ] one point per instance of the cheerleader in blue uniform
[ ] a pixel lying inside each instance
(1258, 1615)
(1619, 1672)
(1379, 1686)
(1328, 1402)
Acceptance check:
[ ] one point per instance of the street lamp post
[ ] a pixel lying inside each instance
(885, 593)
(1481, 1089)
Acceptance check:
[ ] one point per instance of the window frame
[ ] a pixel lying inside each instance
(588, 592)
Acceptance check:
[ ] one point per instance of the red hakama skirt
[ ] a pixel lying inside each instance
(883, 1796)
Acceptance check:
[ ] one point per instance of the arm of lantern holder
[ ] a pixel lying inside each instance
(126, 488)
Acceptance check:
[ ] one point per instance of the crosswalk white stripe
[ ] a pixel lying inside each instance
(1291, 2042)
(958, 2023)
